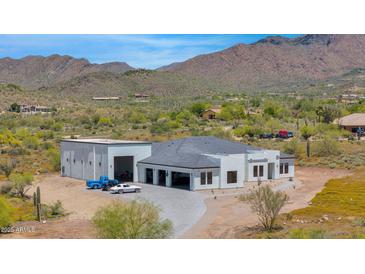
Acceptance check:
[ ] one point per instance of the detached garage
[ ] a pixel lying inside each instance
(92, 158)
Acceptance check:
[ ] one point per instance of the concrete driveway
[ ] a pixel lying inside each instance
(184, 208)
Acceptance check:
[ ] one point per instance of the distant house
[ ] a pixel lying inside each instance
(106, 98)
(141, 95)
(211, 113)
(353, 122)
(33, 109)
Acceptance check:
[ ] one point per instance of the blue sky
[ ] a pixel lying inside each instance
(140, 51)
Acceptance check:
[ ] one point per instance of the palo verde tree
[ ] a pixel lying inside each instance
(267, 204)
(131, 220)
(20, 183)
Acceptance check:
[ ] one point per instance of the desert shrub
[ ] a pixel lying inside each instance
(20, 183)
(131, 220)
(105, 121)
(54, 158)
(327, 147)
(31, 142)
(5, 212)
(359, 221)
(56, 209)
(307, 234)
(5, 188)
(160, 127)
(199, 107)
(266, 203)
(293, 147)
(7, 166)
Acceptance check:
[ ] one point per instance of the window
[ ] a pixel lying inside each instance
(261, 169)
(67, 160)
(90, 162)
(203, 178)
(258, 171)
(206, 178)
(255, 171)
(284, 168)
(210, 177)
(231, 177)
(74, 161)
(99, 163)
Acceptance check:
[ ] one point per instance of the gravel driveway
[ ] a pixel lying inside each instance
(184, 208)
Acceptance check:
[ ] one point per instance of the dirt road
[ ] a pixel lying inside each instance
(226, 213)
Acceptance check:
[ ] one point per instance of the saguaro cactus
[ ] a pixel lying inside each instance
(37, 203)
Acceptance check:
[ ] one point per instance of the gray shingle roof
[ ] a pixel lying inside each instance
(285, 155)
(188, 152)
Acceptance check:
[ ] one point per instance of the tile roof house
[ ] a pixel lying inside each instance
(199, 162)
(353, 122)
(210, 113)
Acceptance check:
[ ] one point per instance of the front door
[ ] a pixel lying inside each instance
(162, 177)
(270, 171)
(149, 175)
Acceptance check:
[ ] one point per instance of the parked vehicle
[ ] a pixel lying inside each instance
(125, 188)
(101, 183)
(284, 134)
(266, 136)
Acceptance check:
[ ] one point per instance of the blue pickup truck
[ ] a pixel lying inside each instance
(103, 182)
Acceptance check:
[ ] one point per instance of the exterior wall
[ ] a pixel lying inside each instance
(215, 179)
(231, 162)
(291, 168)
(207, 114)
(263, 158)
(142, 173)
(80, 160)
(138, 151)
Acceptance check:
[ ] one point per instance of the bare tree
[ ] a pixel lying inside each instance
(267, 204)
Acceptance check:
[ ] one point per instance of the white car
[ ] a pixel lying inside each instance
(125, 188)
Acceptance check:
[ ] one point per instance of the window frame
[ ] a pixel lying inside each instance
(261, 170)
(229, 177)
(209, 177)
(203, 178)
(286, 168)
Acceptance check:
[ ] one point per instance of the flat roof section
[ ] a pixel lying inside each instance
(105, 141)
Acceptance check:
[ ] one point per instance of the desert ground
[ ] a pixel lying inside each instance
(211, 214)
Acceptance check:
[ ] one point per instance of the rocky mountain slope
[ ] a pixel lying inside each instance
(33, 72)
(277, 59)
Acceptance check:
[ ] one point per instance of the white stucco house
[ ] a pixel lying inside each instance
(201, 162)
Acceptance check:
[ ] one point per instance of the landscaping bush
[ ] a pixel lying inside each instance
(327, 147)
(56, 209)
(307, 234)
(131, 220)
(267, 204)
(5, 212)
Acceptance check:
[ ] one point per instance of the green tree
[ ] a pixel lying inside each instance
(20, 183)
(266, 203)
(131, 220)
(14, 107)
(328, 113)
(199, 107)
(5, 212)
